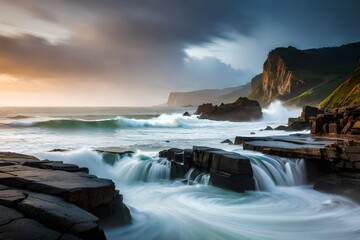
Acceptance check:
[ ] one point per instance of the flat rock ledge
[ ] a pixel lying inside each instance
(54, 200)
(333, 163)
(341, 153)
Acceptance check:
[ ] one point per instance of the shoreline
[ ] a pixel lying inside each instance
(55, 200)
(333, 162)
(58, 200)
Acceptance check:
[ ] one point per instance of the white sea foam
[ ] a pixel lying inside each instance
(171, 210)
(277, 111)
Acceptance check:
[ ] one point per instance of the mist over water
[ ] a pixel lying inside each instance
(283, 207)
(277, 111)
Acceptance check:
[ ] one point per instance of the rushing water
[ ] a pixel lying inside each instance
(283, 207)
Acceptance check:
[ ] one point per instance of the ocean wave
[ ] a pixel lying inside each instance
(18, 117)
(162, 121)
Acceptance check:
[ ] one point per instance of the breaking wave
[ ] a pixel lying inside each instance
(18, 117)
(277, 111)
(162, 121)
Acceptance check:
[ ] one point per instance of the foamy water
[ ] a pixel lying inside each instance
(283, 207)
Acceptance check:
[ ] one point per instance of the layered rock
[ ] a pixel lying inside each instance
(342, 122)
(227, 170)
(333, 164)
(242, 109)
(55, 199)
(304, 76)
(339, 152)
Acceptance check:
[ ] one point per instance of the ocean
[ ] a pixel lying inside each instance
(283, 207)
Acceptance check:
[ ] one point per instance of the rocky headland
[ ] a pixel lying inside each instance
(304, 77)
(214, 96)
(296, 77)
(54, 200)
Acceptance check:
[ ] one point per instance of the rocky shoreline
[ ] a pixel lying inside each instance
(228, 170)
(54, 200)
(326, 171)
(331, 153)
(332, 149)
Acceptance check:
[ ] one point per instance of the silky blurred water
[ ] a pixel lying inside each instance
(282, 208)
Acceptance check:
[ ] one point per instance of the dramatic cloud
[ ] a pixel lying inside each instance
(133, 52)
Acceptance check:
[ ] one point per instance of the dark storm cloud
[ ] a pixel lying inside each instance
(179, 21)
(199, 21)
(314, 23)
(28, 55)
(141, 43)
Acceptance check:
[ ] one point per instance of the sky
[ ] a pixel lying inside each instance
(134, 53)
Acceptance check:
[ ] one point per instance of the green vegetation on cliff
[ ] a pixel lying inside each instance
(347, 94)
(300, 77)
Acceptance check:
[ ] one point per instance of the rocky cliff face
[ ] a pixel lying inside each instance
(300, 77)
(347, 94)
(215, 96)
(278, 81)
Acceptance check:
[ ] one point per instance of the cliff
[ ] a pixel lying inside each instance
(215, 96)
(347, 94)
(300, 77)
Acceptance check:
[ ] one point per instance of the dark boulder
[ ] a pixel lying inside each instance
(309, 111)
(242, 109)
(298, 126)
(281, 128)
(227, 141)
(186, 114)
(268, 128)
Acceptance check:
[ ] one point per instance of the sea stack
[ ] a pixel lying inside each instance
(241, 110)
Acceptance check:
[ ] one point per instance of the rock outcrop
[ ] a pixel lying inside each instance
(302, 122)
(214, 96)
(342, 183)
(242, 109)
(53, 200)
(302, 77)
(227, 170)
(333, 164)
(347, 94)
(338, 122)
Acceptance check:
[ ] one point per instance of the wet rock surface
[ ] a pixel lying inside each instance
(52, 200)
(186, 114)
(228, 141)
(340, 122)
(300, 123)
(227, 170)
(337, 158)
(242, 109)
(344, 184)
